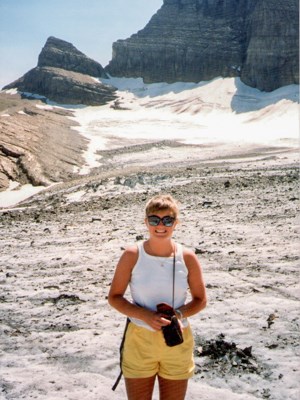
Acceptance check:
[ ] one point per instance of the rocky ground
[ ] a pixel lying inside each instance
(59, 338)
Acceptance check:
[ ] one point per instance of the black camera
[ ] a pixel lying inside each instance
(172, 333)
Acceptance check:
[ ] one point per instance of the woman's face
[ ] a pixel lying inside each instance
(163, 229)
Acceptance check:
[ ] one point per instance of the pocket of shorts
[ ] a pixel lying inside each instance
(133, 335)
(138, 340)
(188, 335)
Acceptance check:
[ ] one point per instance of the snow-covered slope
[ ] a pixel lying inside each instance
(208, 112)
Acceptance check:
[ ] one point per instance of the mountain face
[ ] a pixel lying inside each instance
(65, 75)
(272, 56)
(195, 40)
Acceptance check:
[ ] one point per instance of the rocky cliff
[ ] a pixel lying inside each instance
(195, 40)
(65, 75)
(272, 38)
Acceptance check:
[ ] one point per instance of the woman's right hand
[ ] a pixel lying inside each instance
(155, 320)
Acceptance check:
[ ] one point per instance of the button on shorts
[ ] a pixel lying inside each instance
(146, 354)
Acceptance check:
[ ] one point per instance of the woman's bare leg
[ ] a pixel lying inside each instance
(140, 388)
(172, 389)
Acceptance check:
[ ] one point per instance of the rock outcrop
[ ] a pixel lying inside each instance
(196, 40)
(37, 144)
(64, 87)
(66, 76)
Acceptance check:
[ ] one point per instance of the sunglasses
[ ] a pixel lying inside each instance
(154, 220)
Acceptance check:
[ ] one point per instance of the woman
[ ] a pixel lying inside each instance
(148, 270)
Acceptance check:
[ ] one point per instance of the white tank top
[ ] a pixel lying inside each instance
(151, 282)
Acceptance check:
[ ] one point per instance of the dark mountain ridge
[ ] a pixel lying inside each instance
(196, 40)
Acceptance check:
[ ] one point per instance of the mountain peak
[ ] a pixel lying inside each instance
(58, 53)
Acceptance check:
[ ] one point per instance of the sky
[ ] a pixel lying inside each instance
(90, 25)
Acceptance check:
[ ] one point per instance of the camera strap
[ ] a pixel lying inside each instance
(121, 355)
(174, 262)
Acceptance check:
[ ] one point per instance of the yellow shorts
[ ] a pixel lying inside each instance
(146, 354)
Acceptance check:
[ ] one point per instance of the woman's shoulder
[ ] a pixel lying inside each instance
(187, 251)
(189, 256)
(130, 256)
(131, 250)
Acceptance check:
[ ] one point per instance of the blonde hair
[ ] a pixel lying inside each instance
(162, 202)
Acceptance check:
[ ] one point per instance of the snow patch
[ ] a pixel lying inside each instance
(11, 91)
(12, 197)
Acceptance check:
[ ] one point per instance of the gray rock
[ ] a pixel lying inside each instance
(196, 40)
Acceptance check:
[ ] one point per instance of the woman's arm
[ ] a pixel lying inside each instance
(118, 288)
(196, 285)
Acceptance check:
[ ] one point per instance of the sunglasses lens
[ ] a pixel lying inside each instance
(153, 220)
(168, 221)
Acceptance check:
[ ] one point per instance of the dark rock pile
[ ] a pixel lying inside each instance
(226, 357)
